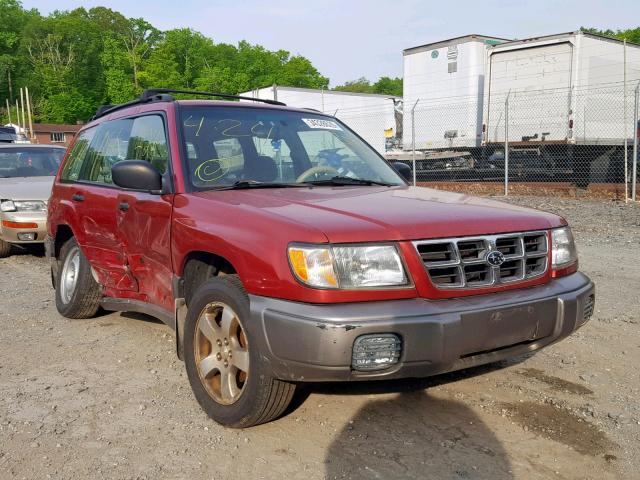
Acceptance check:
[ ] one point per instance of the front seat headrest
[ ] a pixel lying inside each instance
(261, 169)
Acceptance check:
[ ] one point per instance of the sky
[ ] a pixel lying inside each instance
(346, 40)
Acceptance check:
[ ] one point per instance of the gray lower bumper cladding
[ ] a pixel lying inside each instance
(305, 342)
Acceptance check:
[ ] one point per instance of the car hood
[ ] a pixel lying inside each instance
(363, 213)
(26, 188)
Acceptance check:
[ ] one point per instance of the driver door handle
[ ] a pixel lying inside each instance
(77, 197)
(123, 206)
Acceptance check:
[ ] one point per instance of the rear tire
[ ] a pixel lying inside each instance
(216, 326)
(5, 249)
(78, 295)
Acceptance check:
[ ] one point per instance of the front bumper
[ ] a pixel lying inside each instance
(304, 342)
(10, 229)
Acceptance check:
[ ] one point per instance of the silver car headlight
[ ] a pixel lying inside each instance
(347, 267)
(563, 248)
(23, 206)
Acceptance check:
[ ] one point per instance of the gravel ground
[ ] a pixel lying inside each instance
(107, 398)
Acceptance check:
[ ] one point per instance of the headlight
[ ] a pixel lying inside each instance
(22, 206)
(347, 267)
(563, 248)
(7, 206)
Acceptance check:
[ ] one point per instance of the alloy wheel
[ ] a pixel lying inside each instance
(70, 273)
(221, 353)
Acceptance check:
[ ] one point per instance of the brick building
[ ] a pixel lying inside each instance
(54, 134)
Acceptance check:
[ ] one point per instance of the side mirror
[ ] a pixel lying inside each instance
(137, 175)
(404, 170)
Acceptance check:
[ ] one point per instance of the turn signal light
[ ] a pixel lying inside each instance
(313, 266)
(10, 224)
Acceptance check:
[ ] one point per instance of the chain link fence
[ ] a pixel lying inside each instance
(521, 141)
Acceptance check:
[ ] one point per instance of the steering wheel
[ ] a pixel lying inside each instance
(314, 171)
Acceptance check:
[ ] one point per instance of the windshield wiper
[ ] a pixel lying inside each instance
(246, 184)
(338, 180)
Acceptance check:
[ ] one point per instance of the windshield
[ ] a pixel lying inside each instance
(27, 161)
(226, 146)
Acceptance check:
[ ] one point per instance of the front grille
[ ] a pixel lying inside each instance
(462, 262)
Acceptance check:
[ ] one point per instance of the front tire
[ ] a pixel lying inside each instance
(78, 295)
(228, 377)
(5, 249)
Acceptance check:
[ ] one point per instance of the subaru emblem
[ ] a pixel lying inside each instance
(495, 258)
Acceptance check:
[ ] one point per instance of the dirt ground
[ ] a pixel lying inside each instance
(107, 397)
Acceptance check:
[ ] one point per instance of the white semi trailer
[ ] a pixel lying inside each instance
(369, 115)
(566, 110)
(566, 102)
(446, 79)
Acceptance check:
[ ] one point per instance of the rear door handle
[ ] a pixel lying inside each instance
(77, 197)
(123, 206)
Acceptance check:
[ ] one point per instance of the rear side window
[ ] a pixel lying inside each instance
(141, 138)
(71, 169)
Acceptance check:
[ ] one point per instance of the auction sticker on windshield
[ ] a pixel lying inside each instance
(325, 124)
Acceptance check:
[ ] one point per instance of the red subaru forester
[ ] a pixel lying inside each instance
(282, 248)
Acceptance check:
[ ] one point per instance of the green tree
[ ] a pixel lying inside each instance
(74, 61)
(388, 86)
(384, 86)
(12, 21)
(361, 85)
(630, 35)
(62, 65)
(139, 38)
(298, 71)
(177, 60)
(117, 70)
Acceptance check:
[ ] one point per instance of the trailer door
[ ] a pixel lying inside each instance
(539, 79)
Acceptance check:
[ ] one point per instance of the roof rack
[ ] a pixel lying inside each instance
(107, 109)
(155, 91)
(162, 95)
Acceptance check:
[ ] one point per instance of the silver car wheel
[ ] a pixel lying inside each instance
(221, 353)
(70, 273)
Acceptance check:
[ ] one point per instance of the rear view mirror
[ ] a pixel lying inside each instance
(137, 175)
(404, 170)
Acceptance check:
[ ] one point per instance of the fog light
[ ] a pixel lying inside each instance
(27, 237)
(375, 352)
(589, 306)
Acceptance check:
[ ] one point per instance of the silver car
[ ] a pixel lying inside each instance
(26, 176)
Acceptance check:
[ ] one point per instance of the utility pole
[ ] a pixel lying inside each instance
(26, 94)
(17, 116)
(24, 122)
(10, 85)
(8, 109)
